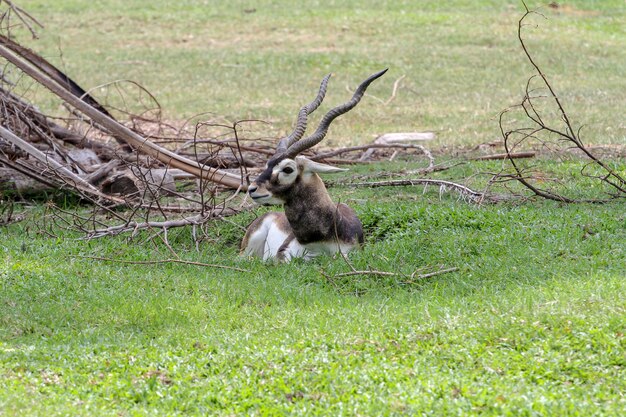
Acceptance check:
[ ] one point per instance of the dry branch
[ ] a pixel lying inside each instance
(23, 16)
(134, 226)
(444, 185)
(550, 136)
(59, 170)
(51, 71)
(411, 279)
(511, 155)
(164, 261)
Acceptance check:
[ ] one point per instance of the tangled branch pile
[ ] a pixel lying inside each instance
(115, 150)
(132, 159)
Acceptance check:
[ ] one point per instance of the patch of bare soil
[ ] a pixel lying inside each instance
(569, 10)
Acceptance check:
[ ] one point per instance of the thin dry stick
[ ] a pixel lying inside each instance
(242, 166)
(161, 261)
(514, 155)
(611, 177)
(396, 84)
(395, 274)
(25, 17)
(135, 226)
(432, 274)
(395, 183)
(166, 242)
(368, 272)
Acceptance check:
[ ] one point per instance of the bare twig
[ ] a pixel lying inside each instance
(394, 91)
(162, 261)
(432, 274)
(511, 155)
(24, 16)
(568, 135)
(413, 276)
(134, 227)
(463, 190)
(367, 272)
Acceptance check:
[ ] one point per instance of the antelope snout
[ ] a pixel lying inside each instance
(261, 195)
(258, 194)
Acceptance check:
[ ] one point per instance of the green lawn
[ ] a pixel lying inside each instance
(263, 60)
(531, 323)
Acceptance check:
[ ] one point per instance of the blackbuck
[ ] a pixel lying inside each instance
(311, 223)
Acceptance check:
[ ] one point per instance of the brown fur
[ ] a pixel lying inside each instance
(314, 217)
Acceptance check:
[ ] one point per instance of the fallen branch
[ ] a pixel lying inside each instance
(474, 195)
(41, 157)
(512, 155)
(432, 274)
(27, 172)
(413, 276)
(168, 224)
(367, 272)
(59, 170)
(162, 261)
(137, 226)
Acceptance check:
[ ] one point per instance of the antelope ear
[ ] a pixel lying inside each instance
(311, 166)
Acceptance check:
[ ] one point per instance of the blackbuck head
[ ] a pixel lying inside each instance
(286, 169)
(312, 223)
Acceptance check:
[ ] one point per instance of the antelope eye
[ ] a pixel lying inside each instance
(288, 170)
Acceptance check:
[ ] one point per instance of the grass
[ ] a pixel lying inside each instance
(532, 323)
(263, 60)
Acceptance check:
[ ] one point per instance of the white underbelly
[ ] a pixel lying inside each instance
(311, 250)
(266, 241)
